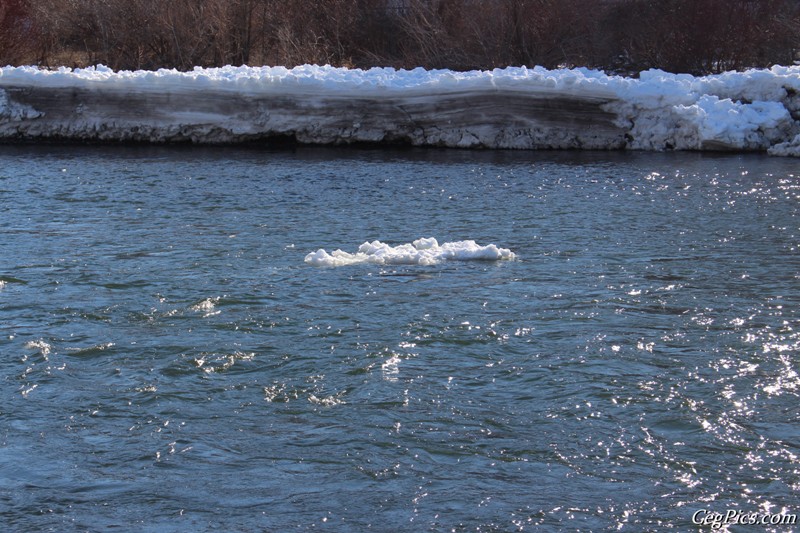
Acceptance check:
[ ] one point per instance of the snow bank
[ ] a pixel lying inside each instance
(309, 78)
(515, 107)
(420, 252)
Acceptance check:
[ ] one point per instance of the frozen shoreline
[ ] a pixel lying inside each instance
(519, 108)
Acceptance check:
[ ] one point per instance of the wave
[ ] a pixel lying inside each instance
(426, 251)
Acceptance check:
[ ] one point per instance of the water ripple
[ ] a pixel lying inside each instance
(172, 364)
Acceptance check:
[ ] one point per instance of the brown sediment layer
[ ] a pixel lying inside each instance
(469, 119)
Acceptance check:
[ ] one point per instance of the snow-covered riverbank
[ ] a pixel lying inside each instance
(508, 108)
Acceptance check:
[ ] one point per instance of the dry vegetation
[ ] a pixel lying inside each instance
(697, 36)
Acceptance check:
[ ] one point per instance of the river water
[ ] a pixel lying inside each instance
(169, 362)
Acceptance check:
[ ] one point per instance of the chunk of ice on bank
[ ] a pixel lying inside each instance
(425, 251)
(733, 123)
(788, 148)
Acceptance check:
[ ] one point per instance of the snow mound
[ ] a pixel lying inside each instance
(420, 252)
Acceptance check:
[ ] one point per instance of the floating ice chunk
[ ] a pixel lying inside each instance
(326, 401)
(40, 345)
(207, 306)
(425, 251)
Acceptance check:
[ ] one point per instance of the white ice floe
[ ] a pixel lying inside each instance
(514, 107)
(420, 252)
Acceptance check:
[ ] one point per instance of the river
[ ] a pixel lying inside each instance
(169, 362)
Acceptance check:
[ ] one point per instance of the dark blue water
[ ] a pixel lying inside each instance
(169, 362)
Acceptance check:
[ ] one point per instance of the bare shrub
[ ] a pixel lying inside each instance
(17, 35)
(701, 36)
(695, 36)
